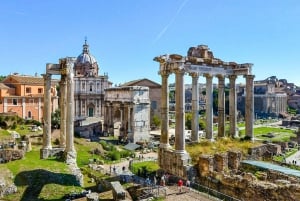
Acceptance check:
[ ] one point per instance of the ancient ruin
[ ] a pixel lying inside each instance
(129, 106)
(199, 62)
(65, 69)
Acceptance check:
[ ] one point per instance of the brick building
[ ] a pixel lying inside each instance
(24, 95)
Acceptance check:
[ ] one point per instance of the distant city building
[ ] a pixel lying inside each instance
(24, 96)
(270, 98)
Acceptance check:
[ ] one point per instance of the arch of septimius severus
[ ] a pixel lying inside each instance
(199, 62)
(65, 69)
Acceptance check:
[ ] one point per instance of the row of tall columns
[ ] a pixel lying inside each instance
(179, 108)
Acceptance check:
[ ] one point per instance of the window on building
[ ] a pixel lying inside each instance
(15, 101)
(40, 90)
(29, 114)
(91, 86)
(28, 90)
(153, 105)
(83, 86)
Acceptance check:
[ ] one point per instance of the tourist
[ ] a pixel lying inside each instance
(188, 184)
(163, 180)
(180, 183)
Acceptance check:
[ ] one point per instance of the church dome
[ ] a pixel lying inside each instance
(85, 56)
(86, 64)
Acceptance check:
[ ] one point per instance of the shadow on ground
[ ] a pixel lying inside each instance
(37, 179)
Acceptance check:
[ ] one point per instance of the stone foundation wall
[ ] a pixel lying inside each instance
(174, 163)
(265, 150)
(7, 155)
(246, 186)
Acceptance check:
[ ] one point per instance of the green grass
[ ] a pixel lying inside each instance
(40, 179)
(280, 134)
(150, 166)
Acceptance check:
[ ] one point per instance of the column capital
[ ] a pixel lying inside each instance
(194, 74)
(232, 77)
(179, 70)
(46, 76)
(220, 76)
(165, 73)
(249, 76)
(207, 75)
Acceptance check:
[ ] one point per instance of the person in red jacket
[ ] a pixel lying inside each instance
(180, 183)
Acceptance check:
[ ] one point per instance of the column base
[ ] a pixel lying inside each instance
(70, 157)
(165, 146)
(45, 153)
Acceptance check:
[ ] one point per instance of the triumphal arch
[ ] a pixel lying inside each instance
(199, 62)
(65, 70)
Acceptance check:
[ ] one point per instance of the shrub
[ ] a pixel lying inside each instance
(14, 126)
(114, 155)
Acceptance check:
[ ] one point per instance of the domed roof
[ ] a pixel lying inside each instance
(85, 56)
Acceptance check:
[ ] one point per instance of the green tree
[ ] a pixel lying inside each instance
(156, 121)
(55, 118)
(2, 77)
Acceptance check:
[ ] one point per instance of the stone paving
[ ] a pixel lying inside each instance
(186, 194)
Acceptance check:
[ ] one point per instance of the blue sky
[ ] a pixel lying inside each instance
(125, 35)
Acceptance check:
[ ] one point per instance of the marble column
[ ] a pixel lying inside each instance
(179, 111)
(195, 107)
(164, 138)
(249, 106)
(129, 119)
(63, 111)
(232, 107)
(209, 107)
(70, 149)
(47, 112)
(221, 106)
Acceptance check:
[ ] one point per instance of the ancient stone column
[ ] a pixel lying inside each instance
(111, 119)
(179, 111)
(63, 111)
(209, 107)
(70, 151)
(129, 119)
(232, 107)
(221, 106)
(195, 107)
(47, 112)
(164, 138)
(249, 106)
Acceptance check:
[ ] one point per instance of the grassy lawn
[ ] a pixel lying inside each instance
(37, 179)
(280, 134)
(149, 166)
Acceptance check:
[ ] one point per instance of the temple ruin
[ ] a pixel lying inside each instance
(199, 62)
(65, 69)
